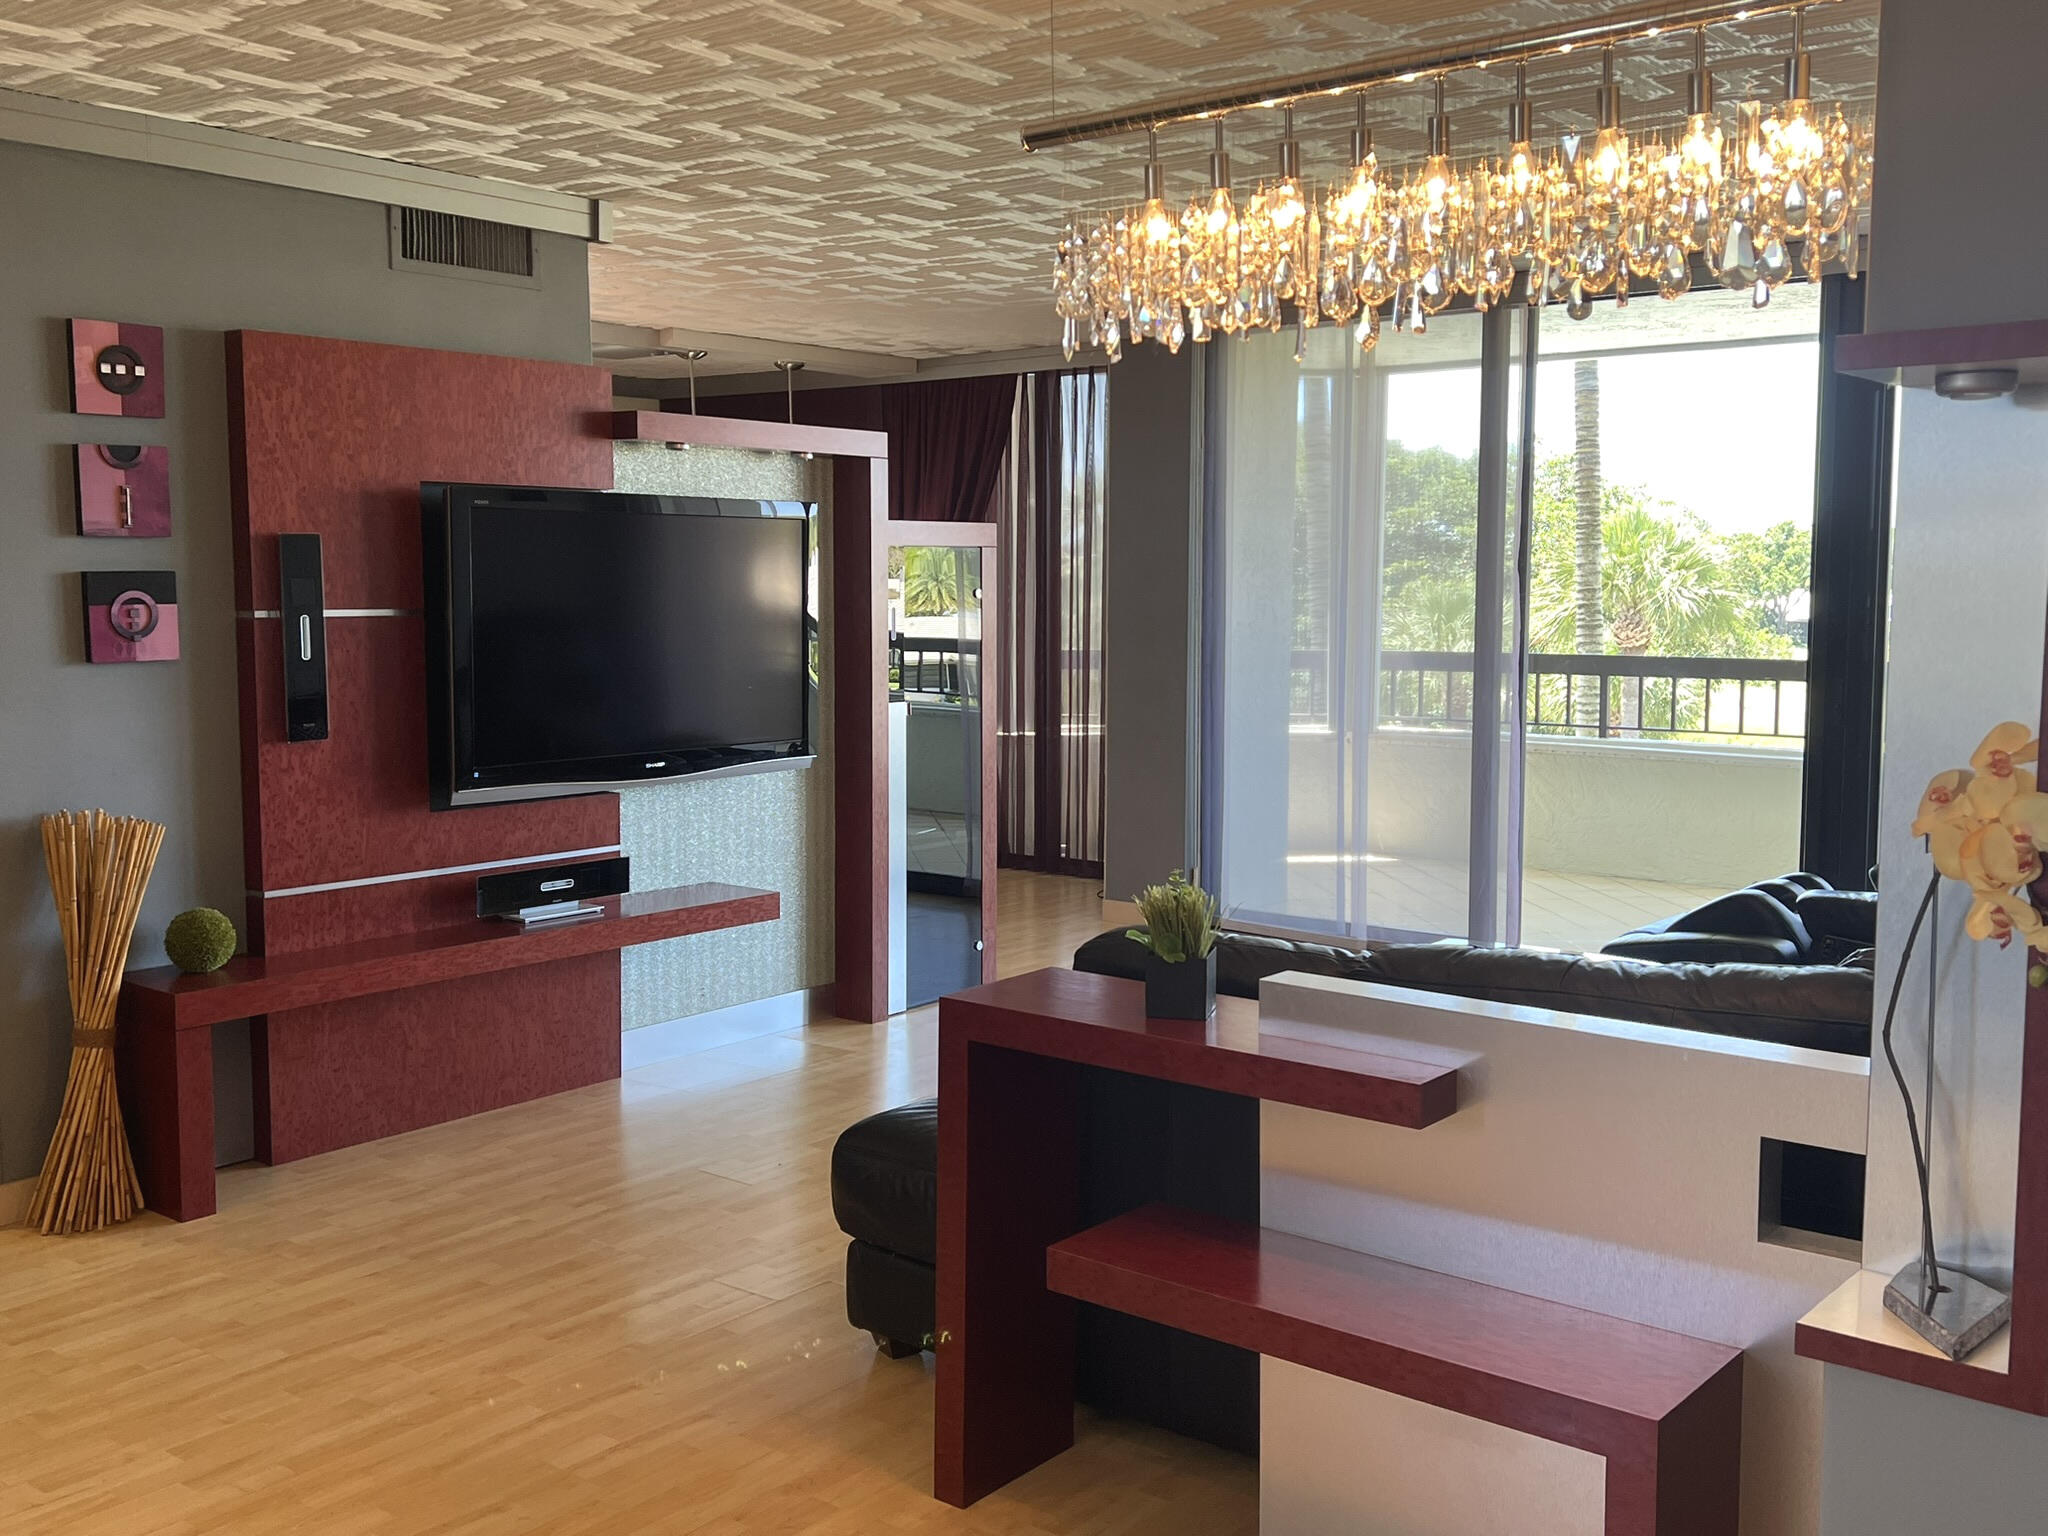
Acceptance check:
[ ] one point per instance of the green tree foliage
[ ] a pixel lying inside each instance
(1669, 584)
(1770, 570)
(931, 582)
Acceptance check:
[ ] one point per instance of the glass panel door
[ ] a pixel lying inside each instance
(935, 662)
(1672, 551)
(1347, 654)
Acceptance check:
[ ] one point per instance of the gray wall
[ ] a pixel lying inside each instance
(199, 255)
(1152, 617)
(1958, 88)
(1958, 136)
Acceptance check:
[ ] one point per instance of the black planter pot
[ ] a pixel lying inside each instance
(1181, 989)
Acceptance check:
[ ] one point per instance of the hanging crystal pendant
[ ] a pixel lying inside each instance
(1778, 194)
(1367, 331)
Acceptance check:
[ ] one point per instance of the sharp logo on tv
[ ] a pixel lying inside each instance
(130, 615)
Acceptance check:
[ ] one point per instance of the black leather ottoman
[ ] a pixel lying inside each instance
(885, 1196)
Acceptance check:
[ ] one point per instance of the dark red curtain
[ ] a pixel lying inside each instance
(947, 437)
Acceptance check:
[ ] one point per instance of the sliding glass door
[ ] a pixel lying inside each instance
(1506, 621)
(1362, 610)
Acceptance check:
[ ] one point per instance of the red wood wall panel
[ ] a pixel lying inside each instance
(319, 919)
(356, 804)
(343, 1073)
(334, 438)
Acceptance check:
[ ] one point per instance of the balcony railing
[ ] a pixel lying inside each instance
(1656, 697)
(928, 664)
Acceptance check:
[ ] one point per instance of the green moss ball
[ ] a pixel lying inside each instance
(200, 940)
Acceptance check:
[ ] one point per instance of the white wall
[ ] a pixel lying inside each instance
(1605, 1165)
(1719, 816)
(1970, 567)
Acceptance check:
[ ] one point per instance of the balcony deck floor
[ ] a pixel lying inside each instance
(1560, 910)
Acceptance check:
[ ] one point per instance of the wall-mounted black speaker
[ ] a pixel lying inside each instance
(304, 604)
(553, 891)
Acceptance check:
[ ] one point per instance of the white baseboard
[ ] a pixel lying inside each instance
(722, 1026)
(14, 1201)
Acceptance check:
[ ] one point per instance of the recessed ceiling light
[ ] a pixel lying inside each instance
(1976, 383)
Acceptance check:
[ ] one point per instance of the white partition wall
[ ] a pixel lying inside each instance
(1601, 1164)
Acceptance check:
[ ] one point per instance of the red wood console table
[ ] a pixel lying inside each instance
(1665, 1410)
(166, 1039)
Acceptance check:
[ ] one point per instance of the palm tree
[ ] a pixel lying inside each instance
(931, 582)
(1662, 584)
(1435, 614)
(1588, 632)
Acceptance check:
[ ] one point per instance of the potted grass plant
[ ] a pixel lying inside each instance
(1179, 937)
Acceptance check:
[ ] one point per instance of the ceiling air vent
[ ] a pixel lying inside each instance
(455, 246)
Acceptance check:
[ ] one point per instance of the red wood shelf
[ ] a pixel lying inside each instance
(1100, 1021)
(166, 1043)
(1531, 1364)
(1664, 1409)
(254, 984)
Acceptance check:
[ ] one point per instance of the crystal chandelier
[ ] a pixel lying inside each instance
(1781, 194)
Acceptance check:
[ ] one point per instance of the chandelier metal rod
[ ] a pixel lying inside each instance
(1625, 24)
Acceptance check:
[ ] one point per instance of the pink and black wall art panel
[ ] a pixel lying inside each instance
(131, 615)
(124, 490)
(117, 369)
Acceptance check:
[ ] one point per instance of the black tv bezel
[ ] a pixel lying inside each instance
(454, 780)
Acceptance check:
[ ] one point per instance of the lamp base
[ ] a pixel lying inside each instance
(1955, 1319)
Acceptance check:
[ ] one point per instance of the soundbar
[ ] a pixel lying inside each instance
(553, 893)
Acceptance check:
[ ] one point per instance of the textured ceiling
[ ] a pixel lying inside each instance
(844, 172)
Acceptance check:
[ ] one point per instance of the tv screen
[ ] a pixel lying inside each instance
(585, 639)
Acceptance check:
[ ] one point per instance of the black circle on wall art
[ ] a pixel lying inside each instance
(121, 455)
(133, 614)
(119, 369)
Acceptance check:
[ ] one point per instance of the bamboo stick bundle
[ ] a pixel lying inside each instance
(99, 867)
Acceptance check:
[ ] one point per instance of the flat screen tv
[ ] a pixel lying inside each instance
(586, 640)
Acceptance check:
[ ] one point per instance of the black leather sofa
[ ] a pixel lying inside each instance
(885, 1168)
(1796, 919)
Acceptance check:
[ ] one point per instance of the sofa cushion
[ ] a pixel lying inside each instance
(1841, 922)
(885, 1180)
(1242, 960)
(1678, 945)
(1753, 926)
(1818, 1006)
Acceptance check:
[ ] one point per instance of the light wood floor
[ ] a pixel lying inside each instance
(616, 1310)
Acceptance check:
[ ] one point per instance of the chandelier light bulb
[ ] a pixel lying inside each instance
(1222, 213)
(1700, 151)
(1609, 159)
(1523, 168)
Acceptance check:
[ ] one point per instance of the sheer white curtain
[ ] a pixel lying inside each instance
(1346, 545)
